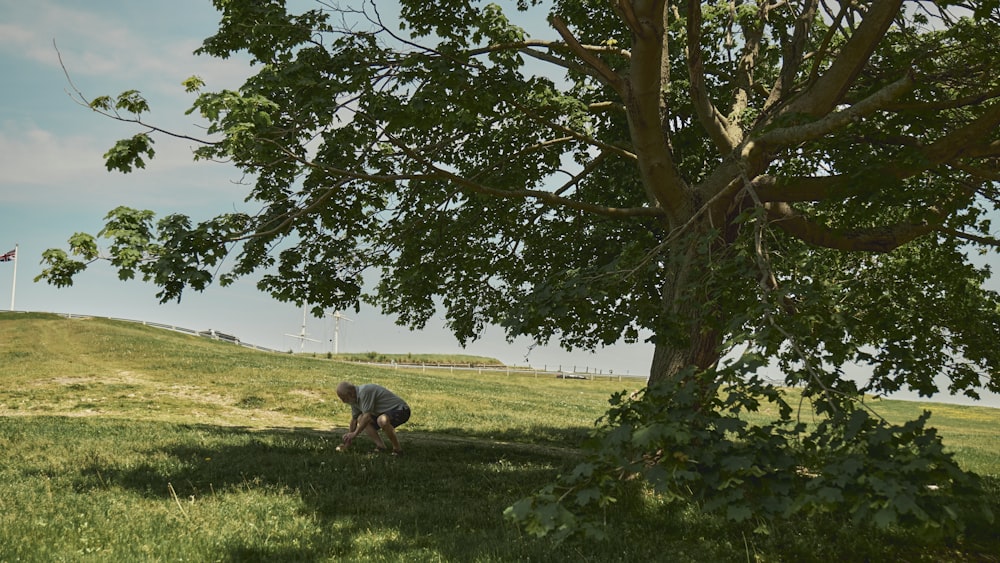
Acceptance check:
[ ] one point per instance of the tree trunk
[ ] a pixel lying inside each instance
(691, 334)
(670, 359)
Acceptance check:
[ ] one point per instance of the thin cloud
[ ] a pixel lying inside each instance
(43, 166)
(46, 158)
(103, 49)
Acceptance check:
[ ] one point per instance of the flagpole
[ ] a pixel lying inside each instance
(13, 284)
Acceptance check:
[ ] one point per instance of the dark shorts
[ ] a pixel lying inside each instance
(396, 417)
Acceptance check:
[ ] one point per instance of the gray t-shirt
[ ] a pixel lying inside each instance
(375, 400)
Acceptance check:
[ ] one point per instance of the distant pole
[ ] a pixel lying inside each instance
(336, 330)
(13, 284)
(302, 332)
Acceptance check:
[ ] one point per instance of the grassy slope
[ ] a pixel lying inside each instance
(429, 359)
(128, 442)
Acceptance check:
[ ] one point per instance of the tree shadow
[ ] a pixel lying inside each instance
(443, 491)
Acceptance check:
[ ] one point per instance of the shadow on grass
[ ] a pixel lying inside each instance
(443, 498)
(286, 494)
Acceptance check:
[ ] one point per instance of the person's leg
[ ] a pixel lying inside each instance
(389, 421)
(372, 432)
(390, 432)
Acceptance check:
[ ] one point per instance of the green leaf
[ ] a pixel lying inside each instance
(129, 153)
(738, 513)
(885, 517)
(587, 496)
(103, 103)
(193, 84)
(132, 102)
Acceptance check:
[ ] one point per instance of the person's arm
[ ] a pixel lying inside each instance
(357, 426)
(351, 431)
(362, 421)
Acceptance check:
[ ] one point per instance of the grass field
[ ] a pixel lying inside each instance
(126, 443)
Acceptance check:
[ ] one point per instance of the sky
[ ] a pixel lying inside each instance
(53, 183)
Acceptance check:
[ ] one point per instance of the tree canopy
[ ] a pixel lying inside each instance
(798, 183)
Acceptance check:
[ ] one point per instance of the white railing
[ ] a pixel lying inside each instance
(506, 370)
(210, 333)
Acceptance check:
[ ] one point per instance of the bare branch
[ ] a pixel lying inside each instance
(77, 96)
(820, 54)
(606, 106)
(791, 189)
(569, 64)
(985, 150)
(627, 14)
(978, 239)
(985, 174)
(587, 170)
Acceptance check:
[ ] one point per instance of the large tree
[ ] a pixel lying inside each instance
(795, 184)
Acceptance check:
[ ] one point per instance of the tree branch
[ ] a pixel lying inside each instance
(793, 54)
(820, 53)
(606, 106)
(955, 144)
(794, 189)
(436, 171)
(627, 14)
(985, 174)
(829, 89)
(78, 98)
(878, 239)
(642, 95)
(715, 124)
(587, 170)
(978, 239)
(790, 136)
(603, 70)
(985, 150)
(960, 143)
(744, 82)
(939, 105)
(570, 65)
(575, 134)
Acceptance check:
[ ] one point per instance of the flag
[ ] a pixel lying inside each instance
(8, 256)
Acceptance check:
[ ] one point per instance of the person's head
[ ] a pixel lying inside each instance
(347, 392)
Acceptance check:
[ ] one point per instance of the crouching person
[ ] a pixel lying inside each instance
(373, 407)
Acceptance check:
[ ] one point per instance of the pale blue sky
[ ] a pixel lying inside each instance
(53, 181)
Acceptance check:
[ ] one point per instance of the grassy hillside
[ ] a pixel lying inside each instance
(78, 367)
(428, 359)
(125, 442)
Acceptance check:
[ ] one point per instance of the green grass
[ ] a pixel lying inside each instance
(127, 443)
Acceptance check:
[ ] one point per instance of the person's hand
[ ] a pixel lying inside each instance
(347, 439)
